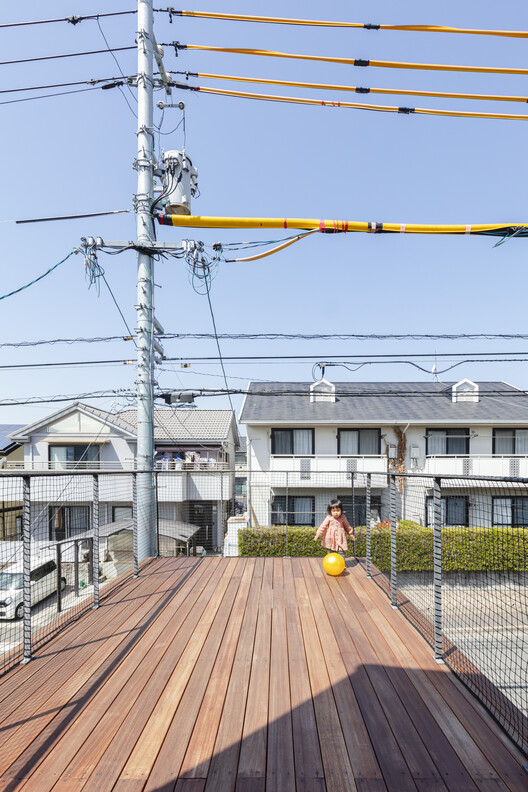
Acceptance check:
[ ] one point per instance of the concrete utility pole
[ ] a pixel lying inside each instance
(146, 504)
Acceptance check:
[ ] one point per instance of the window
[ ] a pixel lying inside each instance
(68, 521)
(453, 510)
(510, 511)
(71, 456)
(43, 570)
(358, 442)
(294, 510)
(292, 441)
(510, 441)
(355, 508)
(446, 442)
(121, 513)
(10, 522)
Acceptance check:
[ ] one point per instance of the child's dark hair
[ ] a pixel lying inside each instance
(335, 503)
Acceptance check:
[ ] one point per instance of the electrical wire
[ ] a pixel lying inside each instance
(343, 226)
(120, 70)
(92, 81)
(67, 217)
(333, 24)
(351, 61)
(274, 250)
(67, 55)
(354, 88)
(292, 337)
(73, 20)
(351, 105)
(49, 96)
(44, 274)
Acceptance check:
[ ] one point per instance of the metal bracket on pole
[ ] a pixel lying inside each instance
(123, 244)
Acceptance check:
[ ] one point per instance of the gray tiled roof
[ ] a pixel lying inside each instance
(186, 425)
(383, 402)
(5, 431)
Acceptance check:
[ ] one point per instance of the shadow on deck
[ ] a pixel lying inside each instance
(223, 675)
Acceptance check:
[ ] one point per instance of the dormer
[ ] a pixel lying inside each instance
(465, 391)
(322, 391)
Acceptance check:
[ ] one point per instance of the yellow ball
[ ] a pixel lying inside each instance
(333, 564)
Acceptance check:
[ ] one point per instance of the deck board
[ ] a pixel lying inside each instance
(246, 675)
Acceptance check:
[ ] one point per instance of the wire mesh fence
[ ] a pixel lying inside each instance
(64, 539)
(451, 553)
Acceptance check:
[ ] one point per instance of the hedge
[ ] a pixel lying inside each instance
(463, 549)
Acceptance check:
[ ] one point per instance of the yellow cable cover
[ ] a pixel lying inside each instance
(361, 105)
(361, 62)
(353, 88)
(337, 226)
(324, 23)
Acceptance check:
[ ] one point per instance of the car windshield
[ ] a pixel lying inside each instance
(11, 580)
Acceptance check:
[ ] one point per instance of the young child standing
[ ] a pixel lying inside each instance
(334, 529)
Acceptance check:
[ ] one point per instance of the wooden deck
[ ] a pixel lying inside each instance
(246, 675)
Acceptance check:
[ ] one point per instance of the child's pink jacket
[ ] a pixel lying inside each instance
(334, 530)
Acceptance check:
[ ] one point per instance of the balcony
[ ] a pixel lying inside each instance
(481, 465)
(321, 471)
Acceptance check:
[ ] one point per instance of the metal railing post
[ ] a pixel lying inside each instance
(76, 568)
(437, 574)
(353, 487)
(287, 518)
(394, 576)
(95, 554)
(134, 525)
(368, 517)
(26, 560)
(59, 576)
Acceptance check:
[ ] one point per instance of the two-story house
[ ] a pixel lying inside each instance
(195, 456)
(309, 442)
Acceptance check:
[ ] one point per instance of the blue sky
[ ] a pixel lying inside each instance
(73, 154)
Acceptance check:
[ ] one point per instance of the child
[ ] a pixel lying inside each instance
(334, 529)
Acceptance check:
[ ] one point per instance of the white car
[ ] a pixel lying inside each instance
(43, 584)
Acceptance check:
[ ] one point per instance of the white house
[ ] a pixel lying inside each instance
(309, 442)
(195, 456)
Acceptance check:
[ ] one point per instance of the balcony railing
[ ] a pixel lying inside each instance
(477, 465)
(126, 464)
(375, 463)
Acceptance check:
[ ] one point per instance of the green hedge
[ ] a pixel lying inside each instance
(463, 549)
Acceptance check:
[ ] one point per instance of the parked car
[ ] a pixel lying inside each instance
(43, 584)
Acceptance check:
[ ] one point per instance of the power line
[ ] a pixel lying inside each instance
(67, 217)
(73, 20)
(92, 81)
(67, 55)
(290, 337)
(50, 96)
(44, 274)
(334, 24)
(354, 88)
(350, 105)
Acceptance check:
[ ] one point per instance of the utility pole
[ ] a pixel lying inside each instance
(146, 505)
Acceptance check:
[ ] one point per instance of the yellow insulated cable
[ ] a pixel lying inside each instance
(355, 105)
(336, 226)
(356, 61)
(356, 89)
(366, 26)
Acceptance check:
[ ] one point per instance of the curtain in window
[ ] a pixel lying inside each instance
(430, 511)
(349, 442)
(504, 441)
(302, 511)
(520, 511)
(502, 511)
(282, 441)
(436, 442)
(77, 519)
(278, 510)
(456, 511)
(521, 441)
(59, 456)
(368, 441)
(457, 442)
(302, 441)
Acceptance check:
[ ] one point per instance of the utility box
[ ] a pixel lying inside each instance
(180, 182)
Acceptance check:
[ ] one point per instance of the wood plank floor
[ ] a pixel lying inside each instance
(242, 675)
